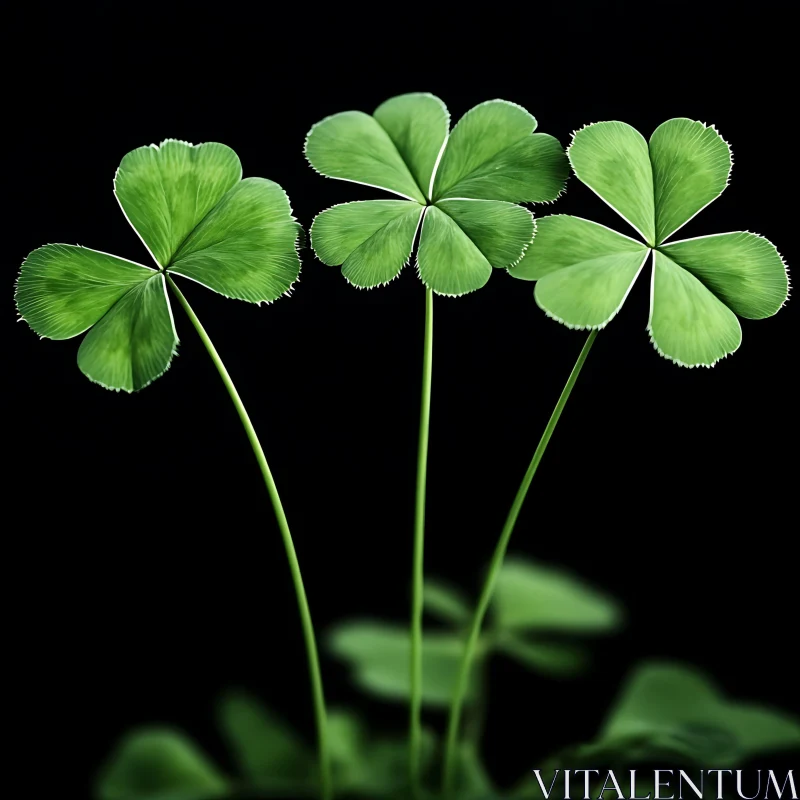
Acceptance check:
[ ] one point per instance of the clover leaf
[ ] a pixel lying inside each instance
(663, 699)
(534, 602)
(160, 764)
(584, 271)
(198, 219)
(379, 656)
(367, 764)
(672, 711)
(272, 760)
(268, 752)
(533, 605)
(535, 597)
(445, 602)
(460, 190)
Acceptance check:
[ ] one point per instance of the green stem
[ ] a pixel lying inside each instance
(473, 728)
(415, 725)
(291, 554)
(491, 578)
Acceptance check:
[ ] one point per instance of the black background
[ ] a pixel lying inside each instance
(143, 565)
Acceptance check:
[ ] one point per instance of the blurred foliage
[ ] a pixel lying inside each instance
(160, 764)
(673, 715)
(666, 713)
(535, 597)
(267, 751)
(379, 654)
(533, 604)
(674, 712)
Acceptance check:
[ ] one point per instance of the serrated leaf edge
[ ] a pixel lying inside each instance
(727, 178)
(583, 219)
(575, 171)
(613, 314)
(173, 353)
(650, 327)
(350, 180)
(297, 247)
(21, 317)
(402, 266)
(471, 291)
(158, 147)
(751, 233)
(455, 127)
(444, 143)
(481, 200)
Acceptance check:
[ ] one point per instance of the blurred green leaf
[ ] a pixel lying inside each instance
(472, 780)
(159, 764)
(367, 766)
(268, 752)
(387, 760)
(347, 741)
(445, 602)
(379, 653)
(537, 597)
(675, 709)
(549, 658)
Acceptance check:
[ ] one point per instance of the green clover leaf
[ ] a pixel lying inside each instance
(379, 656)
(370, 765)
(584, 271)
(460, 190)
(160, 764)
(197, 218)
(267, 751)
(535, 597)
(671, 708)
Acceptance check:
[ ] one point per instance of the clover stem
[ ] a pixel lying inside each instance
(468, 657)
(473, 727)
(415, 724)
(291, 554)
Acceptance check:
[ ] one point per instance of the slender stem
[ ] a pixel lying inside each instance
(494, 569)
(415, 725)
(291, 554)
(473, 728)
